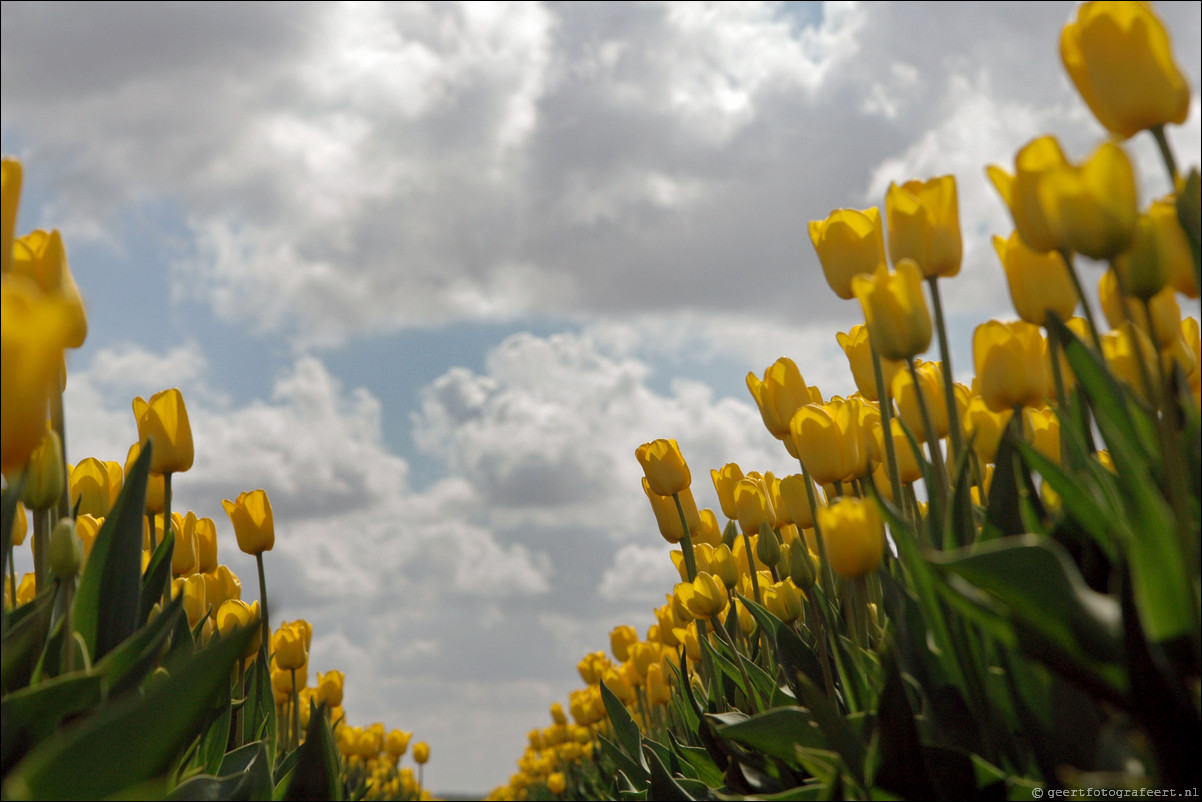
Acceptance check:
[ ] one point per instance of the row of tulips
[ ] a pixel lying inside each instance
(979, 590)
(131, 663)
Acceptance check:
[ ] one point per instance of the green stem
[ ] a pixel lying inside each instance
(838, 489)
(939, 493)
(41, 534)
(949, 385)
(167, 527)
(725, 636)
(58, 420)
(828, 576)
(12, 577)
(263, 601)
(1166, 153)
(294, 736)
(824, 660)
(885, 403)
(240, 689)
(1089, 318)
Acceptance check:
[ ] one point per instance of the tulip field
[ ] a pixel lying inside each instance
(982, 590)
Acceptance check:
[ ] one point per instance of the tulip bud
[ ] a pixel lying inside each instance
(730, 534)
(44, 474)
(621, 638)
(64, 551)
(767, 547)
(801, 567)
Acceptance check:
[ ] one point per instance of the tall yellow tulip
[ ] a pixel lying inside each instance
(895, 310)
(254, 523)
(1039, 282)
(849, 243)
(164, 420)
(664, 467)
(924, 225)
(1121, 61)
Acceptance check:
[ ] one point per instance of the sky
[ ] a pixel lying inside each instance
(430, 273)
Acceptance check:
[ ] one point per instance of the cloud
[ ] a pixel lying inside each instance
(398, 166)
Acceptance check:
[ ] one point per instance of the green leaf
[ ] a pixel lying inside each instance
(108, 600)
(902, 767)
(10, 497)
(127, 665)
(317, 773)
(1032, 595)
(627, 766)
(777, 733)
(131, 741)
(32, 714)
(252, 780)
(155, 582)
(839, 734)
(663, 786)
(22, 643)
(626, 730)
(699, 760)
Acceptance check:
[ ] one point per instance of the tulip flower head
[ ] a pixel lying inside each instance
(855, 536)
(895, 310)
(1119, 57)
(1039, 282)
(254, 524)
(849, 243)
(778, 395)
(664, 467)
(924, 225)
(164, 421)
(1092, 206)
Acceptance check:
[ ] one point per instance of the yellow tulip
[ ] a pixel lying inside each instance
(659, 692)
(930, 383)
(753, 503)
(1123, 357)
(164, 420)
(329, 688)
(664, 467)
(44, 474)
(155, 488)
(1021, 193)
(1166, 312)
(708, 532)
(206, 545)
(1041, 428)
(41, 257)
(10, 193)
(196, 601)
(20, 526)
(783, 600)
(1009, 361)
(1174, 248)
(704, 597)
(34, 330)
(668, 517)
(236, 614)
(829, 442)
(254, 523)
(396, 742)
(848, 243)
(780, 394)
(1039, 282)
(288, 648)
(621, 638)
(795, 498)
(724, 483)
(924, 225)
(855, 536)
(1092, 206)
(90, 487)
(421, 752)
(1121, 61)
(985, 428)
(592, 666)
(895, 310)
(26, 589)
(858, 349)
(908, 467)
